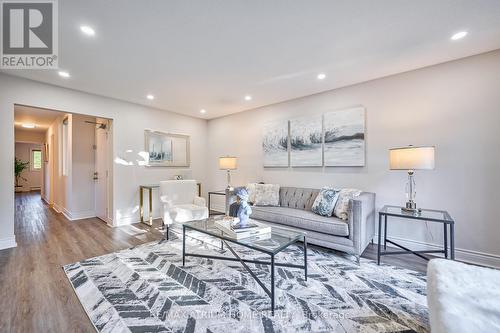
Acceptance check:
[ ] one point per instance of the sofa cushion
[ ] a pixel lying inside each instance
(342, 205)
(325, 201)
(301, 219)
(267, 194)
(299, 198)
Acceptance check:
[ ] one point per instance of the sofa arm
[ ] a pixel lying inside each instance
(362, 221)
(199, 201)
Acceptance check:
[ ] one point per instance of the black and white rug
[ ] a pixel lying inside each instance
(146, 289)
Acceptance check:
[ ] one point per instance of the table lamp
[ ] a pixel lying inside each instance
(228, 163)
(410, 159)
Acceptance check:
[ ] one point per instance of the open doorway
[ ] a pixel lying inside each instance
(70, 161)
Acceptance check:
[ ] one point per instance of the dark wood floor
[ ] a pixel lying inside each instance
(35, 295)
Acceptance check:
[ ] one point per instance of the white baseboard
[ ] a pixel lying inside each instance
(127, 220)
(57, 208)
(473, 257)
(73, 216)
(7, 243)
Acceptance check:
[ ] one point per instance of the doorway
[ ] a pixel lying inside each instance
(76, 160)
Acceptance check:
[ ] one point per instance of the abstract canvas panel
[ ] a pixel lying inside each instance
(345, 137)
(305, 141)
(275, 144)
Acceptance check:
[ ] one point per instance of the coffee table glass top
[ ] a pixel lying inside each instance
(272, 243)
(424, 214)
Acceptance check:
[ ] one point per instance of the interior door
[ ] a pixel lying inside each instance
(101, 172)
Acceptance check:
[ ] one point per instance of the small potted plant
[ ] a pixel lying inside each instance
(19, 167)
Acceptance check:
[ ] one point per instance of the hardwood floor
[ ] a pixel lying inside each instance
(35, 295)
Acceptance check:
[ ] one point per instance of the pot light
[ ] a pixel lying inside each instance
(28, 125)
(64, 74)
(459, 35)
(248, 98)
(150, 97)
(203, 111)
(321, 76)
(87, 30)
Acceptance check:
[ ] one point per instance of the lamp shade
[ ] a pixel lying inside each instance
(411, 158)
(227, 163)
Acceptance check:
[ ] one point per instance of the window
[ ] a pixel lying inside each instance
(36, 160)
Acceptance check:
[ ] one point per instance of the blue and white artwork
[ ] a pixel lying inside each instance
(305, 141)
(345, 137)
(159, 146)
(275, 144)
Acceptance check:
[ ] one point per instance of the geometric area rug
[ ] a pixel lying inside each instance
(146, 289)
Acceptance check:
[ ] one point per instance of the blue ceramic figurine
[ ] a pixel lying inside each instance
(244, 209)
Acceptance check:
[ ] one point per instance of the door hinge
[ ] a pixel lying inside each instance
(94, 147)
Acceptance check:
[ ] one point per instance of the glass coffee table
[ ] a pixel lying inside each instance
(278, 240)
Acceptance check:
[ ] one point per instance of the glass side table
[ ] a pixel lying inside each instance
(210, 193)
(430, 215)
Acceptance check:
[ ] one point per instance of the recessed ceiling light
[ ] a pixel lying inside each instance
(150, 97)
(248, 98)
(64, 74)
(28, 125)
(87, 30)
(203, 111)
(321, 76)
(459, 35)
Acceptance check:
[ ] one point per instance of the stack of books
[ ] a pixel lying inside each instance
(236, 231)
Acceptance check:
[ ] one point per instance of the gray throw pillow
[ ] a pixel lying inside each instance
(325, 201)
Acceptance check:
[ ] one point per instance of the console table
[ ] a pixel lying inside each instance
(431, 215)
(150, 188)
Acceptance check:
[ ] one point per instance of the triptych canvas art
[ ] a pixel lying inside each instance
(335, 138)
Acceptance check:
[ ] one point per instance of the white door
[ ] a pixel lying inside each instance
(101, 172)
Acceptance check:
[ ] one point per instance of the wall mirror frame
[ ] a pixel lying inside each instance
(167, 149)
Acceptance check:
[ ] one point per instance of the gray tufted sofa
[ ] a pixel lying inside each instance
(294, 212)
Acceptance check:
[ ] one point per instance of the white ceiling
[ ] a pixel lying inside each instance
(201, 54)
(42, 118)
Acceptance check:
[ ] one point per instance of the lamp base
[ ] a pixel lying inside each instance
(411, 207)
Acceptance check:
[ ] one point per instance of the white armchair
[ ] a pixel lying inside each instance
(180, 202)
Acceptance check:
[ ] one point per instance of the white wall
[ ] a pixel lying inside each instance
(33, 177)
(454, 106)
(130, 120)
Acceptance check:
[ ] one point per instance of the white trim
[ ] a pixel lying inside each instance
(131, 220)
(73, 216)
(57, 208)
(470, 256)
(7, 243)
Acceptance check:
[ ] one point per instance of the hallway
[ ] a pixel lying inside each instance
(35, 295)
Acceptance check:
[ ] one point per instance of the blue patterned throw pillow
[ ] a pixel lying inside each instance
(325, 201)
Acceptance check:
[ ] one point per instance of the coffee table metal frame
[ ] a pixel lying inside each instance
(225, 240)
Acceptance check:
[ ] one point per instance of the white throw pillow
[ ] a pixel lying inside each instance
(342, 205)
(251, 192)
(267, 195)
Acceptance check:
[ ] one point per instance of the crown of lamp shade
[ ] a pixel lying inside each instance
(227, 163)
(411, 158)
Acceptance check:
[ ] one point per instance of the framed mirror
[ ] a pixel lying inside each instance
(167, 149)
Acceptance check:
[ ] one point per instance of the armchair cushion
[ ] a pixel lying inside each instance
(187, 212)
(199, 201)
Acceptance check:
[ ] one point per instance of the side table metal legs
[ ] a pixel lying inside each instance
(452, 241)
(379, 238)
(141, 203)
(272, 285)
